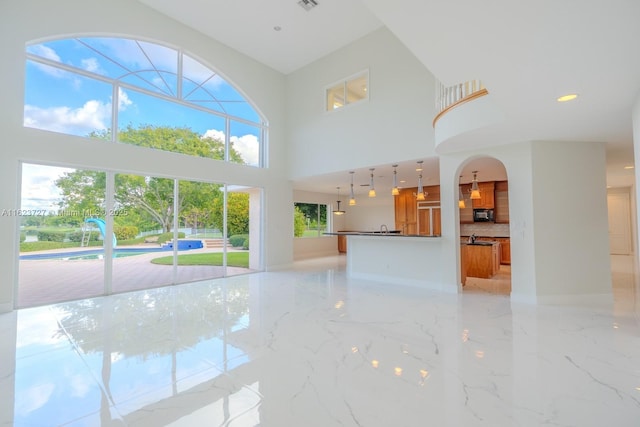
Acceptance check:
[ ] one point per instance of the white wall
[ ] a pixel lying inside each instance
(558, 219)
(635, 114)
(394, 125)
(25, 21)
(570, 216)
(479, 113)
(370, 213)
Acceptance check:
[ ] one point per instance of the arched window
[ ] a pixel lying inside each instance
(91, 86)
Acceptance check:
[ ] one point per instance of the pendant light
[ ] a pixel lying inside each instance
(461, 204)
(421, 194)
(352, 197)
(338, 211)
(372, 190)
(394, 190)
(475, 191)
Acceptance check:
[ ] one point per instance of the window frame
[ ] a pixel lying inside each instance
(344, 83)
(320, 206)
(118, 84)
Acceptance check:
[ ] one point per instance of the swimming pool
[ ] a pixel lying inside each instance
(91, 254)
(98, 253)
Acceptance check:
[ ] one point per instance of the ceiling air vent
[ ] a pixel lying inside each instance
(308, 4)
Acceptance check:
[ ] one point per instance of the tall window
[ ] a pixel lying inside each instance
(122, 90)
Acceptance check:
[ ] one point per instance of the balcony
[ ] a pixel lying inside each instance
(458, 121)
(448, 98)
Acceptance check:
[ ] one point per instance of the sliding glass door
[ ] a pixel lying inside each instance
(101, 232)
(61, 221)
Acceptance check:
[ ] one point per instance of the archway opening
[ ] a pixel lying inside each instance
(484, 232)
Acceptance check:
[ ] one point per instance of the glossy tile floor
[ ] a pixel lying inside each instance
(309, 347)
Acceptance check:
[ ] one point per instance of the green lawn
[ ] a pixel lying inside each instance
(234, 259)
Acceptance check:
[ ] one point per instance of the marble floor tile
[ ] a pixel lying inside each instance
(311, 347)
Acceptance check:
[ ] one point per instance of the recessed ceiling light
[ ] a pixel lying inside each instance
(567, 97)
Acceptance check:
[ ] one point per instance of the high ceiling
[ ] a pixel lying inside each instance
(526, 53)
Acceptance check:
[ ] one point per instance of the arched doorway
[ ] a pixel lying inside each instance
(485, 261)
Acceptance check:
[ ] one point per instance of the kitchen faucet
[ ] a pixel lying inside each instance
(472, 238)
(383, 228)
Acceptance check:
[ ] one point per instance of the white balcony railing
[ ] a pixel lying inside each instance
(448, 97)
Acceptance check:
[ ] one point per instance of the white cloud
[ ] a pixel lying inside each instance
(123, 100)
(39, 191)
(45, 52)
(199, 73)
(247, 145)
(33, 398)
(92, 65)
(93, 115)
(80, 385)
(48, 53)
(214, 134)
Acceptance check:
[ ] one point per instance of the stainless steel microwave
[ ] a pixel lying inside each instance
(483, 215)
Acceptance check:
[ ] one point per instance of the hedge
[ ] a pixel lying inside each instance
(238, 240)
(51, 236)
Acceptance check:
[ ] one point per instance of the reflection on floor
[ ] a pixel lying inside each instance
(499, 284)
(311, 347)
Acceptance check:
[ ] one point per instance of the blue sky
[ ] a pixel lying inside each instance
(69, 102)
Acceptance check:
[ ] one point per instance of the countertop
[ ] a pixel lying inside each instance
(485, 237)
(390, 233)
(481, 243)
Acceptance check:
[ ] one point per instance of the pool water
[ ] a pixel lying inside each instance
(90, 254)
(100, 256)
(183, 245)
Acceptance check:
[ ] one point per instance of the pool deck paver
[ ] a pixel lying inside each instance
(56, 280)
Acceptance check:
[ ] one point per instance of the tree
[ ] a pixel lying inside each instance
(153, 196)
(149, 200)
(237, 213)
(82, 193)
(299, 222)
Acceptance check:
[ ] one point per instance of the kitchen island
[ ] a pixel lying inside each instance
(482, 259)
(395, 258)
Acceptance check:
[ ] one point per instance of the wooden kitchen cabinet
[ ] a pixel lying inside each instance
(429, 219)
(487, 197)
(463, 264)
(406, 211)
(501, 210)
(411, 220)
(342, 244)
(505, 251)
(433, 193)
(483, 261)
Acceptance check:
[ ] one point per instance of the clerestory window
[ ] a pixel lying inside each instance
(347, 92)
(125, 90)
